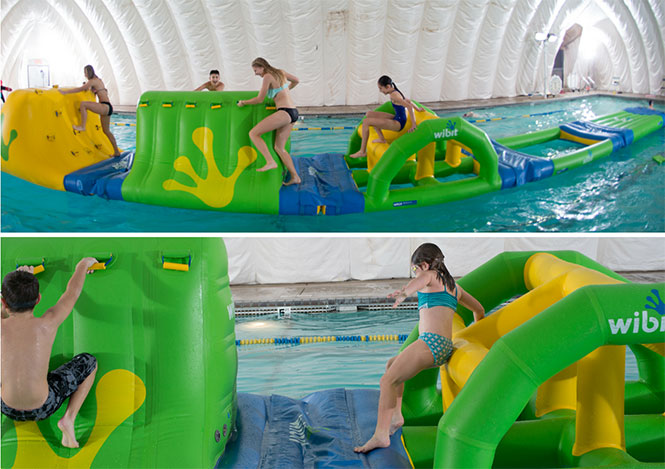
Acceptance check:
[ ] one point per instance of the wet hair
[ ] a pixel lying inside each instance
(431, 254)
(651, 102)
(213, 72)
(89, 72)
(20, 289)
(275, 72)
(385, 80)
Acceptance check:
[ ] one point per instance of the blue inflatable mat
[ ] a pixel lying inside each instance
(589, 130)
(326, 188)
(319, 430)
(516, 169)
(103, 179)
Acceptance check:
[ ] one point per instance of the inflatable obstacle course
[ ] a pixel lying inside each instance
(193, 151)
(550, 365)
(158, 316)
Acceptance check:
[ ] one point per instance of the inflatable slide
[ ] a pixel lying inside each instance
(158, 317)
(540, 382)
(193, 151)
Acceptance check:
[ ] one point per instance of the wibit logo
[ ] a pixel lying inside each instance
(215, 190)
(448, 132)
(119, 394)
(645, 323)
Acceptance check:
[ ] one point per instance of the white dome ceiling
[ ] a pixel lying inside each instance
(433, 49)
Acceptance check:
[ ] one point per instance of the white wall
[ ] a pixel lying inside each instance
(434, 49)
(325, 259)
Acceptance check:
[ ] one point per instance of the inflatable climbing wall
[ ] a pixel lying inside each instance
(159, 318)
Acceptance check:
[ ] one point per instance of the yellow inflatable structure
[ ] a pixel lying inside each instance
(42, 145)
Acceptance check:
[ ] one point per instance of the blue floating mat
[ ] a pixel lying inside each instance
(589, 130)
(327, 187)
(319, 430)
(516, 168)
(103, 179)
(645, 111)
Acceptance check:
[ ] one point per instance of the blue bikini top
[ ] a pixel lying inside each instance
(439, 298)
(272, 92)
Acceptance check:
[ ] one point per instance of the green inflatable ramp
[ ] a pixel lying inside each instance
(160, 320)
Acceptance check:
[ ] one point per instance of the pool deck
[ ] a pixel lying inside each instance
(345, 296)
(450, 105)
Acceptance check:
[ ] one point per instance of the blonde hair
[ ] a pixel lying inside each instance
(275, 72)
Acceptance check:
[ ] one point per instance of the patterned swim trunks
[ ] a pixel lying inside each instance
(62, 382)
(440, 346)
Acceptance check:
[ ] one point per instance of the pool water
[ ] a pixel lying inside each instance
(621, 193)
(297, 370)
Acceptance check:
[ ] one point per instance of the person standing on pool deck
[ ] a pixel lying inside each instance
(385, 120)
(275, 86)
(213, 84)
(438, 296)
(103, 107)
(29, 391)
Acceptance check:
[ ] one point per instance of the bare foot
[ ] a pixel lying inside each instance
(68, 437)
(373, 443)
(268, 167)
(358, 154)
(379, 140)
(396, 424)
(293, 180)
(79, 128)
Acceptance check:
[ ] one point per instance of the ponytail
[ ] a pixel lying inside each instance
(432, 255)
(385, 80)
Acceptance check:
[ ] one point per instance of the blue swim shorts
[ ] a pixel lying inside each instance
(440, 346)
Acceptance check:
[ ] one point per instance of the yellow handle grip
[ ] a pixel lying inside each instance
(98, 266)
(38, 268)
(175, 266)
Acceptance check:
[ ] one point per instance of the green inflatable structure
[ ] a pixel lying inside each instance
(540, 382)
(159, 318)
(193, 151)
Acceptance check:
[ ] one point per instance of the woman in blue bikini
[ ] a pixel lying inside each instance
(385, 120)
(103, 107)
(275, 86)
(438, 296)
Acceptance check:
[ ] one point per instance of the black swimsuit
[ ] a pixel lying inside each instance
(291, 111)
(109, 105)
(104, 102)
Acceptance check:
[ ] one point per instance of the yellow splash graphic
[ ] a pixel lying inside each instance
(215, 190)
(119, 394)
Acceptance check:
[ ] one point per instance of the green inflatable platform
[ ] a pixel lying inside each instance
(160, 320)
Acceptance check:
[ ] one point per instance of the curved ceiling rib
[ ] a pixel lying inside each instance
(433, 49)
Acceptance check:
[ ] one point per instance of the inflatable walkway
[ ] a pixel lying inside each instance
(319, 430)
(193, 151)
(540, 382)
(160, 321)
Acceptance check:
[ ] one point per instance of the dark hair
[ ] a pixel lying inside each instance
(650, 102)
(20, 289)
(431, 254)
(385, 80)
(89, 72)
(213, 72)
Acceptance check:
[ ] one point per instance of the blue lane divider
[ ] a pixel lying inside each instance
(325, 338)
(489, 119)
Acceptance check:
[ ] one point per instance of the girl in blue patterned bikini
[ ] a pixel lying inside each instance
(438, 296)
